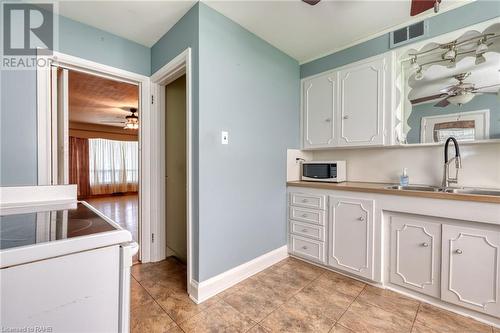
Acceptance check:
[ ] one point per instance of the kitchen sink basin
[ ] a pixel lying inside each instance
(424, 188)
(472, 191)
(414, 188)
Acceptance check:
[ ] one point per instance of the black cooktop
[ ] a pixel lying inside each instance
(51, 225)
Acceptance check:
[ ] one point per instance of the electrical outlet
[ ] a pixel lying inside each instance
(224, 137)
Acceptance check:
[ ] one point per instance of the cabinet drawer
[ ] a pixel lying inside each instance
(307, 248)
(307, 230)
(308, 200)
(307, 215)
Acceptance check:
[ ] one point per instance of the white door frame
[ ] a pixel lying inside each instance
(44, 131)
(178, 66)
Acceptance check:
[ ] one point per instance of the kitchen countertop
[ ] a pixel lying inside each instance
(381, 188)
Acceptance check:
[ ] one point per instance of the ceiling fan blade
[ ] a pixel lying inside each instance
(420, 6)
(312, 2)
(441, 104)
(427, 98)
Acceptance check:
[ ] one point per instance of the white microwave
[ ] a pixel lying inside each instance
(324, 171)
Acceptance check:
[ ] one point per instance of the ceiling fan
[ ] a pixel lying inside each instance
(457, 94)
(131, 121)
(311, 2)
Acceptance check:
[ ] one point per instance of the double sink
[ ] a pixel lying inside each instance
(424, 188)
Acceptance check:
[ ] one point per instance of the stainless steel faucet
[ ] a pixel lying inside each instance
(447, 180)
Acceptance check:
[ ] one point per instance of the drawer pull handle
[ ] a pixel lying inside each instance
(304, 230)
(304, 215)
(328, 120)
(425, 244)
(361, 218)
(345, 117)
(304, 247)
(304, 200)
(458, 251)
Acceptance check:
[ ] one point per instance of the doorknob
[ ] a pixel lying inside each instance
(458, 251)
(361, 218)
(425, 244)
(328, 120)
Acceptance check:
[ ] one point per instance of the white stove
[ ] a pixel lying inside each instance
(64, 267)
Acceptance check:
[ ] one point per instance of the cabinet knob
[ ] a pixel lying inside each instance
(304, 247)
(304, 215)
(361, 218)
(328, 120)
(345, 117)
(458, 251)
(304, 200)
(304, 230)
(425, 244)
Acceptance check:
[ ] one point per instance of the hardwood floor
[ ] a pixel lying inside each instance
(291, 296)
(121, 209)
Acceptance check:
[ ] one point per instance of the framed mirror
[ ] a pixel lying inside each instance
(451, 88)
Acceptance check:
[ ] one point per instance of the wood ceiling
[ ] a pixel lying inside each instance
(96, 100)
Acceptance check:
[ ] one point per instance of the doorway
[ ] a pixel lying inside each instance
(95, 137)
(176, 169)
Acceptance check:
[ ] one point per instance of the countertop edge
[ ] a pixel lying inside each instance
(380, 188)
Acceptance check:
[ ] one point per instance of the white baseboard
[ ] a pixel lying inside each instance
(200, 292)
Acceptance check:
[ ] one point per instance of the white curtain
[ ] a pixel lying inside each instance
(114, 166)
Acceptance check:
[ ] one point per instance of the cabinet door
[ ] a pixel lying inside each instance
(470, 273)
(319, 99)
(362, 103)
(415, 254)
(351, 236)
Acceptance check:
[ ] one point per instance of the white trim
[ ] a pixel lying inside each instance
(145, 139)
(44, 139)
(211, 287)
(424, 16)
(181, 64)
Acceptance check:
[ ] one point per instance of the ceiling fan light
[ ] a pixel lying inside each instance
(481, 48)
(450, 54)
(419, 75)
(461, 99)
(480, 59)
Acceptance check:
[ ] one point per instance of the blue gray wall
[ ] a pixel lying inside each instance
(475, 12)
(250, 89)
(481, 102)
(18, 151)
(184, 34)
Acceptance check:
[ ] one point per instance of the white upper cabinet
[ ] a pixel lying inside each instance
(351, 236)
(349, 106)
(470, 269)
(319, 98)
(362, 103)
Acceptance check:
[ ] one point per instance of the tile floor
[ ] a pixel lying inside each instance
(291, 296)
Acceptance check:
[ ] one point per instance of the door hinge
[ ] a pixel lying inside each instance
(152, 99)
(152, 238)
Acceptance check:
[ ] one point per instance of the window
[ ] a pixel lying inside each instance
(113, 166)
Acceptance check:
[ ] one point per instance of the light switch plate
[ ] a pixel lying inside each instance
(224, 137)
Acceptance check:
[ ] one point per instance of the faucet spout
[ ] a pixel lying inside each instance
(447, 180)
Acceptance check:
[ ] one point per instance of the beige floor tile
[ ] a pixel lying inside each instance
(254, 299)
(496, 330)
(362, 317)
(333, 281)
(433, 319)
(157, 270)
(390, 301)
(145, 314)
(311, 310)
(340, 329)
(218, 318)
(258, 329)
(180, 307)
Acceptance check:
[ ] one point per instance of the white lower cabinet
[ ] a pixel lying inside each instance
(350, 246)
(415, 254)
(470, 268)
